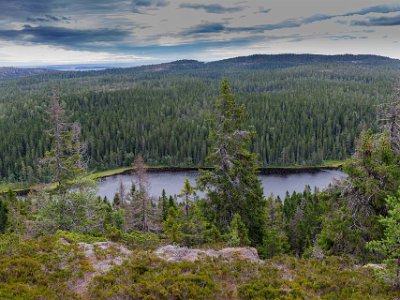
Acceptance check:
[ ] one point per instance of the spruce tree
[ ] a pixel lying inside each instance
(172, 226)
(164, 205)
(232, 186)
(389, 244)
(238, 233)
(187, 193)
(65, 158)
(275, 239)
(143, 215)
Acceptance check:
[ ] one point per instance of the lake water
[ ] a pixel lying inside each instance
(173, 182)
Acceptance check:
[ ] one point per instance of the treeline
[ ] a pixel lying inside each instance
(302, 115)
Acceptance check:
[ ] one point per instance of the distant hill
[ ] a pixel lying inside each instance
(273, 61)
(257, 61)
(289, 60)
(11, 72)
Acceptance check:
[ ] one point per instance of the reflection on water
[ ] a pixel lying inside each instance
(173, 182)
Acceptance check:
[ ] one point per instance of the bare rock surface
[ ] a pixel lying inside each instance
(101, 257)
(375, 266)
(172, 253)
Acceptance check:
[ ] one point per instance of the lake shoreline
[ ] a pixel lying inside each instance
(262, 170)
(159, 169)
(172, 180)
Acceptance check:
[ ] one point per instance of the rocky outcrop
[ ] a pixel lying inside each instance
(101, 258)
(172, 253)
(375, 266)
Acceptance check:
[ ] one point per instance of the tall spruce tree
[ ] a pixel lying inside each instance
(143, 214)
(65, 158)
(187, 194)
(232, 186)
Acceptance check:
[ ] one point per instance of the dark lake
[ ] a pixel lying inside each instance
(173, 182)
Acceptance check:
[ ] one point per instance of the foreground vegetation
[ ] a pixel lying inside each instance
(314, 244)
(48, 268)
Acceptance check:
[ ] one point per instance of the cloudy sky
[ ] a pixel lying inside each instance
(36, 32)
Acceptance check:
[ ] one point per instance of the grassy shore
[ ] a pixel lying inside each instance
(23, 188)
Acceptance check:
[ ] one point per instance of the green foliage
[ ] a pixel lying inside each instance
(195, 227)
(238, 233)
(373, 170)
(232, 186)
(38, 269)
(45, 268)
(3, 216)
(352, 218)
(117, 218)
(190, 229)
(116, 201)
(275, 240)
(78, 211)
(145, 276)
(76, 237)
(141, 240)
(187, 194)
(164, 205)
(9, 243)
(303, 218)
(389, 245)
(172, 226)
(17, 211)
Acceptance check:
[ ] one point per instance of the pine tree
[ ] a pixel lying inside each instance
(232, 186)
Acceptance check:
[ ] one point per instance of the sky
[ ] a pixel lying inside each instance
(54, 32)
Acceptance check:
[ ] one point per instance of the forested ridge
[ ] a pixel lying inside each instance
(304, 108)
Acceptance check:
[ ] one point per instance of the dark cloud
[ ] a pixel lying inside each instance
(343, 37)
(37, 10)
(140, 5)
(264, 10)
(381, 21)
(212, 28)
(64, 37)
(211, 8)
(383, 9)
(205, 28)
(49, 18)
(26, 6)
(316, 18)
(188, 47)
